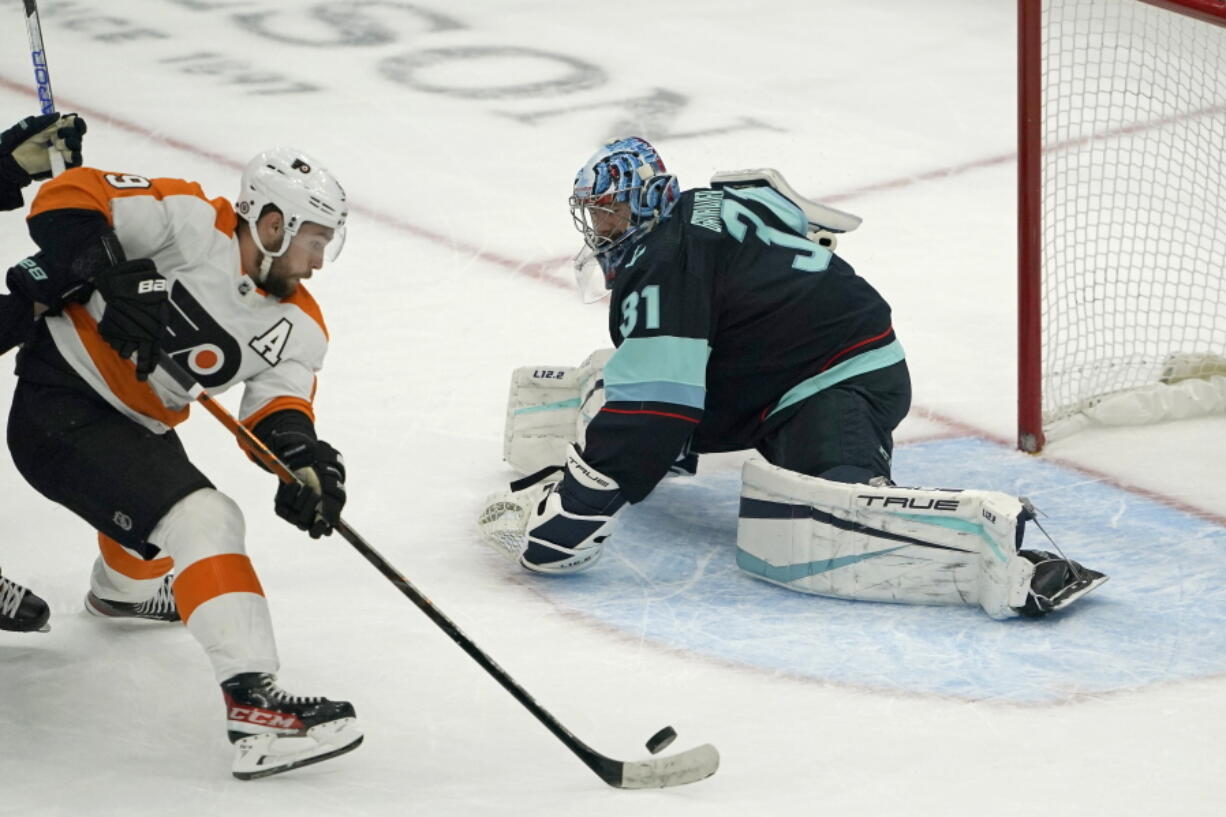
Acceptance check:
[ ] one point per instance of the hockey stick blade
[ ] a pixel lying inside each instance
(689, 766)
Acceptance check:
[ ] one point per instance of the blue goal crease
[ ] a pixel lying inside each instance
(1162, 616)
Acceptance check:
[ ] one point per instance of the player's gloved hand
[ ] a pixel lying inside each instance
(39, 282)
(137, 308)
(24, 147)
(555, 521)
(314, 503)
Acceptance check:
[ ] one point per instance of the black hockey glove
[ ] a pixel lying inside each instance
(24, 148)
(40, 282)
(137, 307)
(314, 502)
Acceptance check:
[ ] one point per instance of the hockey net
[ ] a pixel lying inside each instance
(1122, 205)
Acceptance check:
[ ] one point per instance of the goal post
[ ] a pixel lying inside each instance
(1121, 213)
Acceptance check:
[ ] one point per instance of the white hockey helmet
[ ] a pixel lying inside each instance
(301, 188)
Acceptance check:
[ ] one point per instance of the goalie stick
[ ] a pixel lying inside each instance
(42, 76)
(672, 770)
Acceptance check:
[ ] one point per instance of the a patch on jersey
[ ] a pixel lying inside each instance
(637, 252)
(707, 207)
(271, 344)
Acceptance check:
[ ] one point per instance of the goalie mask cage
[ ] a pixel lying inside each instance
(1122, 229)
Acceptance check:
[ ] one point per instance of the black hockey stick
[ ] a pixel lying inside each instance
(42, 75)
(673, 770)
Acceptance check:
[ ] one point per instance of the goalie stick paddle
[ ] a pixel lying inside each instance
(42, 76)
(672, 770)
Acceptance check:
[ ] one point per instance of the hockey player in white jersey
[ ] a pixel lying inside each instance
(218, 288)
(25, 157)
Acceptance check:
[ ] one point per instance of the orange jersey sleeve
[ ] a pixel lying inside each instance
(87, 188)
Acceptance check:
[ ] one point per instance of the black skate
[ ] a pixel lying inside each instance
(161, 607)
(274, 731)
(20, 610)
(1057, 583)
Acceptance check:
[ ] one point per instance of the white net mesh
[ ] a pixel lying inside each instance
(1134, 188)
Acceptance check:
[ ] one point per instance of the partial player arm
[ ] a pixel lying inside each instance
(70, 220)
(655, 383)
(278, 407)
(654, 388)
(315, 501)
(24, 152)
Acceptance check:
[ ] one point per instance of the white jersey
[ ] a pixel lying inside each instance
(222, 328)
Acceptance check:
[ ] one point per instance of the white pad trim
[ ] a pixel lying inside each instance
(908, 545)
(822, 217)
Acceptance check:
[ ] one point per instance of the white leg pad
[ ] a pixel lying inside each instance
(548, 408)
(235, 629)
(908, 545)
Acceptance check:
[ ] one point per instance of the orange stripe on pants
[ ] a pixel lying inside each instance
(213, 577)
(125, 564)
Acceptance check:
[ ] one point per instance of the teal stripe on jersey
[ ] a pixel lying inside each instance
(777, 203)
(663, 369)
(866, 362)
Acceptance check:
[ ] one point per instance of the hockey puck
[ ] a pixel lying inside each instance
(661, 739)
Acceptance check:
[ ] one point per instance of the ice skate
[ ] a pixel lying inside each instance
(21, 611)
(273, 731)
(159, 607)
(1057, 583)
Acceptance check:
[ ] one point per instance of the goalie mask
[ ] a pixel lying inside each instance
(302, 189)
(619, 195)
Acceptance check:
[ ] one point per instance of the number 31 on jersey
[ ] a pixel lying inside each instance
(649, 299)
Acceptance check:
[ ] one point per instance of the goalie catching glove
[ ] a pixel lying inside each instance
(555, 521)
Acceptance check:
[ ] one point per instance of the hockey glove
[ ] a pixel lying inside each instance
(39, 282)
(137, 308)
(314, 502)
(555, 521)
(24, 148)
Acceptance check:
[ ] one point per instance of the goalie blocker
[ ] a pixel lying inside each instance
(910, 545)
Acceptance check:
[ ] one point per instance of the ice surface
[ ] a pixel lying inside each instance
(456, 128)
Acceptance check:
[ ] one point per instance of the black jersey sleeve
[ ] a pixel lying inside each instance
(16, 320)
(655, 383)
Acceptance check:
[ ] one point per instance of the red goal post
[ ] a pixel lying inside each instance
(1121, 212)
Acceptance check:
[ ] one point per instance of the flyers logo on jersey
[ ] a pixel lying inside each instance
(198, 343)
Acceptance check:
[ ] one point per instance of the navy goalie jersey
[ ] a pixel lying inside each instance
(725, 317)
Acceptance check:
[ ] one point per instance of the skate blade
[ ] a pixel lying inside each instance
(45, 628)
(1092, 580)
(259, 756)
